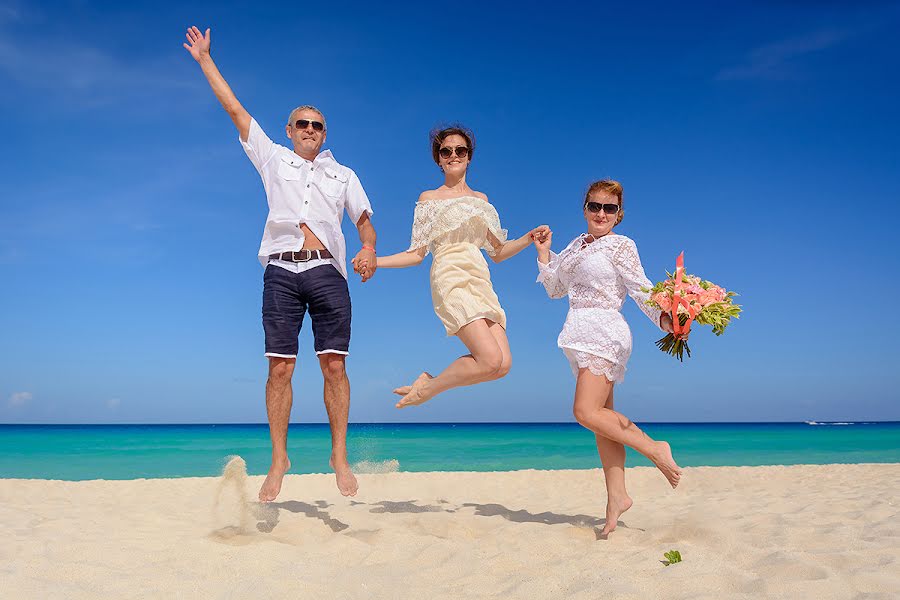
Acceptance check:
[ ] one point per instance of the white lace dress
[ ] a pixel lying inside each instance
(597, 275)
(455, 231)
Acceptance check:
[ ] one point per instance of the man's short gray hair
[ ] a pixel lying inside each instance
(306, 107)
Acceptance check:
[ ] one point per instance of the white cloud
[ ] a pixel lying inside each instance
(19, 399)
(113, 403)
(776, 60)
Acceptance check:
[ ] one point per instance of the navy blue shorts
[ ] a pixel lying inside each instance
(286, 298)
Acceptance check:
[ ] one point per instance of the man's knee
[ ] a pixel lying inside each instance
(281, 369)
(333, 368)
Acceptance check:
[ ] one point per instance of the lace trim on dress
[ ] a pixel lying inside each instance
(468, 215)
(598, 366)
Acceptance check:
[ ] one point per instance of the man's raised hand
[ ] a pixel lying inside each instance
(198, 43)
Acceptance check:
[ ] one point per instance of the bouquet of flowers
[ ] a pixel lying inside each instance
(690, 299)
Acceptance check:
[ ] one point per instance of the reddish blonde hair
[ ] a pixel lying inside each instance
(609, 186)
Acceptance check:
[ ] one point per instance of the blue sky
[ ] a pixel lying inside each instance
(761, 140)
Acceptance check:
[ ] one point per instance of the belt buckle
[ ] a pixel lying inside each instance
(301, 259)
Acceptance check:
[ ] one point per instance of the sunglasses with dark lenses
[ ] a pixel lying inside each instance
(304, 123)
(596, 207)
(460, 151)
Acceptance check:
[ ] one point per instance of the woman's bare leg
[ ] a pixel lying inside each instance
(616, 426)
(489, 359)
(612, 456)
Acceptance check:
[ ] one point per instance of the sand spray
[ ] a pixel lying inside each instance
(367, 450)
(392, 465)
(232, 507)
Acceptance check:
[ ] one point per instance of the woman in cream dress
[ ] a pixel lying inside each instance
(596, 271)
(455, 223)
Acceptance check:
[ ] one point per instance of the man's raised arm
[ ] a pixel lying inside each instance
(198, 46)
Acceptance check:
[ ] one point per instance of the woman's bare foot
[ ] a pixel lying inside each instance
(665, 462)
(271, 487)
(614, 509)
(414, 393)
(346, 480)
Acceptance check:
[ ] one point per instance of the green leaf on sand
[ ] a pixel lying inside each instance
(672, 557)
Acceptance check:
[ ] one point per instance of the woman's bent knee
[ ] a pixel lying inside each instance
(582, 414)
(491, 365)
(505, 367)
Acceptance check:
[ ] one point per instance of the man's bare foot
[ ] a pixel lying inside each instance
(346, 480)
(665, 462)
(271, 487)
(415, 394)
(614, 509)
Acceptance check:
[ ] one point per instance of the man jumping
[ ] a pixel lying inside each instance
(304, 256)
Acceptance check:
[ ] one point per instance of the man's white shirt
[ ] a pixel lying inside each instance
(299, 191)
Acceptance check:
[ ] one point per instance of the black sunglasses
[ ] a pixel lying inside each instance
(460, 151)
(304, 123)
(596, 207)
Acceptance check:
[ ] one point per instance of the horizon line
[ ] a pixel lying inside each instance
(265, 424)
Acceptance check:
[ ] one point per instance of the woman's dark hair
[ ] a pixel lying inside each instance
(439, 135)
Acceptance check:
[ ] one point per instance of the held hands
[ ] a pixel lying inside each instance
(365, 263)
(542, 237)
(199, 43)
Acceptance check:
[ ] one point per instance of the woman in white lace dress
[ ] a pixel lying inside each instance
(596, 271)
(455, 223)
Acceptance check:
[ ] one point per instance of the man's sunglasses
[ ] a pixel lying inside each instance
(460, 151)
(596, 207)
(304, 123)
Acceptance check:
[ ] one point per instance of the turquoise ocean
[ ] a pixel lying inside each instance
(78, 452)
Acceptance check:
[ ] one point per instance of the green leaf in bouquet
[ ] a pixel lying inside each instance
(675, 347)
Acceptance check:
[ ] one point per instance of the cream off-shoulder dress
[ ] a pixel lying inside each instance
(597, 274)
(455, 231)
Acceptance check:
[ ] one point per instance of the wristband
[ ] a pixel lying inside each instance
(368, 248)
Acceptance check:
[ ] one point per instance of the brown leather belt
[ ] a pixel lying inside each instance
(301, 255)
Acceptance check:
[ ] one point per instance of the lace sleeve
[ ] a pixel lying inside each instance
(628, 264)
(492, 221)
(550, 276)
(423, 221)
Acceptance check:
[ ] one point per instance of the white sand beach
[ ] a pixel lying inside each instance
(744, 532)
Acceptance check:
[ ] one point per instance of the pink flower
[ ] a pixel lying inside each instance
(708, 297)
(662, 299)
